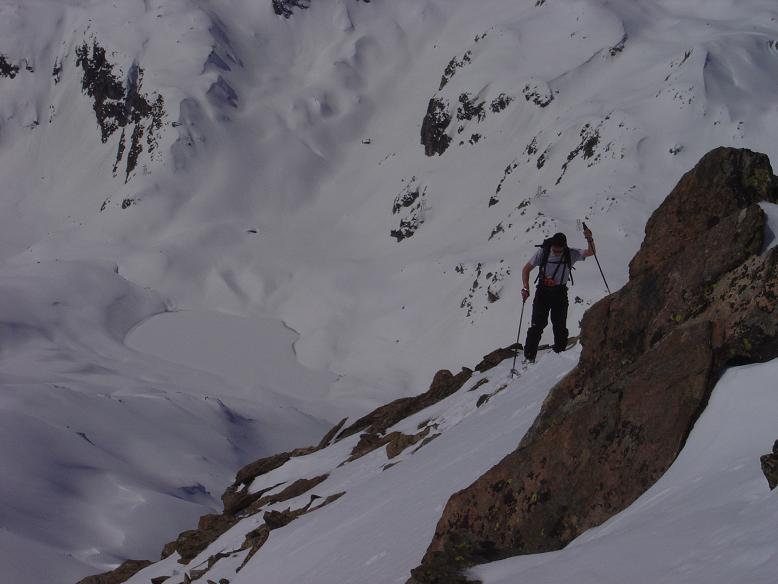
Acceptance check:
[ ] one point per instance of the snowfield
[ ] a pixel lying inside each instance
(220, 234)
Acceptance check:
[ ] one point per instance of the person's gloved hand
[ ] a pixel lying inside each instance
(524, 294)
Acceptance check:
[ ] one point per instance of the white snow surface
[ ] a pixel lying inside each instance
(249, 256)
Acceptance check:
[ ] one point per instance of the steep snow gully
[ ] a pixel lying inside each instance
(227, 226)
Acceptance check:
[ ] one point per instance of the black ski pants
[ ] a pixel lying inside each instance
(547, 300)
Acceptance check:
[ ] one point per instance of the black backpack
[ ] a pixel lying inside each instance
(566, 262)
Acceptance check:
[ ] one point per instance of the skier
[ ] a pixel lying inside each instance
(555, 261)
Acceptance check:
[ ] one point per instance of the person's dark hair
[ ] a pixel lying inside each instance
(559, 239)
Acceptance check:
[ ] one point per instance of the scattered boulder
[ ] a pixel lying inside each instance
(379, 420)
(400, 442)
(277, 519)
(368, 442)
(121, 574)
(235, 501)
(700, 297)
(262, 466)
(296, 489)
(330, 436)
(497, 356)
(480, 382)
(190, 543)
(254, 541)
(236, 497)
(770, 467)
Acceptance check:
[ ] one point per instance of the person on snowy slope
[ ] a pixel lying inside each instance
(555, 261)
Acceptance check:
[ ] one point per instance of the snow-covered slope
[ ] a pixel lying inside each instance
(707, 520)
(263, 159)
(379, 527)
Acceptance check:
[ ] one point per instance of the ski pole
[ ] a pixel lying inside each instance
(598, 263)
(518, 338)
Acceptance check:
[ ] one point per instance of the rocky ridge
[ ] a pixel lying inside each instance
(701, 296)
(652, 353)
(370, 433)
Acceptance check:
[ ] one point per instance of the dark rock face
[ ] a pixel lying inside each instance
(121, 574)
(452, 67)
(192, 542)
(409, 205)
(770, 467)
(433, 128)
(286, 8)
(7, 69)
(117, 106)
(700, 297)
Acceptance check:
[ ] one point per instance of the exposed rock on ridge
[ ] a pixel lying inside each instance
(770, 467)
(7, 69)
(117, 106)
(700, 297)
(286, 8)
(124, 572)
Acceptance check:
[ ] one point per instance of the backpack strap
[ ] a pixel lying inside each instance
(546, 245)
(570, 268)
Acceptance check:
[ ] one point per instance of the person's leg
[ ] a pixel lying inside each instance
(559, 319)
(540, 310)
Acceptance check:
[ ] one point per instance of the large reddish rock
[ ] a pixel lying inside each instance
(701, 296)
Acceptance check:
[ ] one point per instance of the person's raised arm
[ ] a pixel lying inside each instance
(590, 251)
(525, 280)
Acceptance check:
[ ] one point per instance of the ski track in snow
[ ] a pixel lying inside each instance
(285, 147)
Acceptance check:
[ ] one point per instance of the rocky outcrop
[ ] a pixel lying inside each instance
(433, 129)
(238, 501)
(409, 205)
(7, 69)
(117, 106)
(237, 496)
(770, 467)
(190, 543)
(286, 8)
(379, 420)
(701, 296)
(297, 488)
(121, 574)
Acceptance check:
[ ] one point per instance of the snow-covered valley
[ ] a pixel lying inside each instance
(226, 225)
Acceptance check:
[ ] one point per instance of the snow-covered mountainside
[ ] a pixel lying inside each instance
(369, 174)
